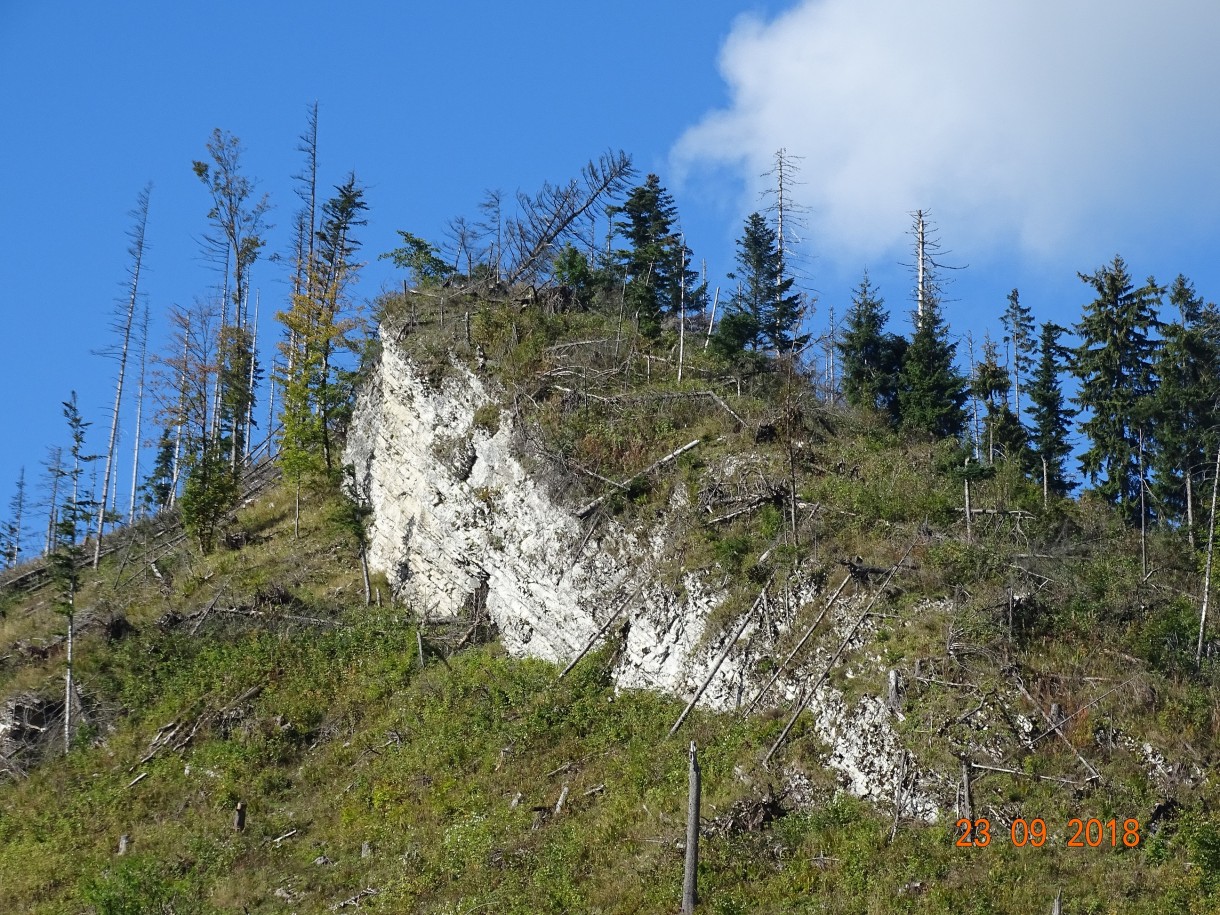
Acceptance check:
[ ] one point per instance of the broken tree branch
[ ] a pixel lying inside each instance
(601, 631)
(808, 694)
(673, 455)
(720, 660)
(799, 645)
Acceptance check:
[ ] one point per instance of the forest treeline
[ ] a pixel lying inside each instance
(1135, 380)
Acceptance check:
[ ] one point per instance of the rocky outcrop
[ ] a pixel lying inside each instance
(460, 527)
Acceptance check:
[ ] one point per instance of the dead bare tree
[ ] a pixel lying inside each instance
(787, 211)
(1207, 571)
(135, 455)
(690, 881)
(125, 320)
(564, 212)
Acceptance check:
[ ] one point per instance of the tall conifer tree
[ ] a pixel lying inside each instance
(871, 356)
(763, 293)
(11, 533)
(1049, 412)
(320, 328)
(655, 266)
(1185, 409)
(1003, 434)
(1114, 363)
(931, 391)
(1019, 333)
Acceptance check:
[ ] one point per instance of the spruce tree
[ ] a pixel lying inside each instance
(1185, 409)
(763, 293)
(320, 329)
(931, 392)
(159, 484)
(1049, 412)
(1114, 364)
(1018, 321)
(68, 553)
(871, 357)
(1003, 434)
(655, 272)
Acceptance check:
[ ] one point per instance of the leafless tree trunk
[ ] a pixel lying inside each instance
(1207, 569)
(681, 306)
(974, 397)
(69, 687)
(969, 531)
(1190, 507)
(690, 881)
(785, 171)
(711, 324)
(135, 450)
(136, 250)
(180, 419)
(13, 532)
(1143, 512)
(55, 467)
(308, 190)
(253, 369)
(966, 810)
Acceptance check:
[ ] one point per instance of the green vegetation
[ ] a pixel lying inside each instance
(315, 713)
(240, 660)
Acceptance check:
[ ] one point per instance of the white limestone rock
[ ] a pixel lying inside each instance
(458, 522)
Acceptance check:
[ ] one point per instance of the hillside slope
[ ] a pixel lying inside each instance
(402, 764)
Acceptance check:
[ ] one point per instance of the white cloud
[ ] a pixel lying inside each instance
(1016, 122)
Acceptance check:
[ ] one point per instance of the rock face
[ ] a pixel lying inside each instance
(460, 527)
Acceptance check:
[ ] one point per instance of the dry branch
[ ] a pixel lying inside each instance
(354, 900)
(799, 645)
(808, 694)
(586, 510)
(1054, 726)
(601, 631)
(720, 660)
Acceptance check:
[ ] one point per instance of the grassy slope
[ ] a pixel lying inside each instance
(350, 742)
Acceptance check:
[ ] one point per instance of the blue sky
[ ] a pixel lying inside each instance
(1042, 140)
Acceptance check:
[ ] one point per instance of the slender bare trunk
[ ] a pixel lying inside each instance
(250, 395)
(681, 305)
(1190, 508)
(270, 407)
(1207, 569)
(974, 398)
(56, 469)
(712, 320)
(68, 685)
(18, 509)
(137, 252)
(1143, 512)
(180, 420)
(364, 570)
(214, 431)
(690, 881)
(135, 451)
